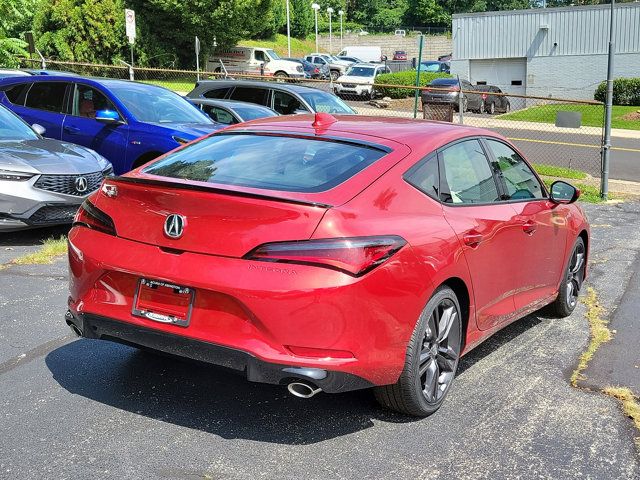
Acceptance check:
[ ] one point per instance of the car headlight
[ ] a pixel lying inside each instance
(15, 176)
(180, 140)
(108, 172)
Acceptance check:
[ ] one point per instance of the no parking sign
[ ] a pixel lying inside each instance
(130, 24)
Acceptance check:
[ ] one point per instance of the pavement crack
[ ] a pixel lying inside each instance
(39, 351)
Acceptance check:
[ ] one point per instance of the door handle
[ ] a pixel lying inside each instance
(472, 238)
(529, 227)
(70, 129)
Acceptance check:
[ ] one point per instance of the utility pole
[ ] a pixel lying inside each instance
(316, 7)
(606, 143)
(417, 91)
(288, 32)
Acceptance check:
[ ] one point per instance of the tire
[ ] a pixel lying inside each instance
(572, 279)
(481, 110)
(281, 76)
(492, 108)
(439, 351)
(334, 75)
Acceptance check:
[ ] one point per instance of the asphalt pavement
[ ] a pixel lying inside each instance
(77, 408)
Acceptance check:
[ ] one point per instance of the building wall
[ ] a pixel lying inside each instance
(435, 45)
(546, 32)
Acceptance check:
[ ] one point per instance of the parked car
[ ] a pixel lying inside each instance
(229, 112)
(400, 56)
(492, 103)
(447, 90)
(319, 72)
(284, 98)
(129, 123)
(350, 59)
(10, 72)
(336, 66)
(400, 33)
(359, 80)
(35, 71)
(362, 52)
(328, 253)
(445, 58)
(42, 181)
(254, 60)
(435, 67)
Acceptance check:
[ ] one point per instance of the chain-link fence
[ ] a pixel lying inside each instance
(551, 132)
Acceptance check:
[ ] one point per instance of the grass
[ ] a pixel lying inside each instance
(51, 249)
(599, 333)
(183, 86)
(630, 405)
(561, 172)
(592, 115)
(299, 48)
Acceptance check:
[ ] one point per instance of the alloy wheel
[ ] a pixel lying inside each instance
(575, 274)
(439, 355)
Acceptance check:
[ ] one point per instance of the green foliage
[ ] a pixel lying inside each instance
(302, 21)
(626, 91)
(10, 50)
(407, 78)
(15, 16)
(438, 12)
(81, 30)
(275, 20)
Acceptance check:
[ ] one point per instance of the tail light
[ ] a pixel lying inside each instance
(316, 70)
(92, 217)
(484, 96)
(454, 89)
(355, 256)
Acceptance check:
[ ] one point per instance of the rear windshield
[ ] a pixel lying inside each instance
(268, 162)
(444, 81)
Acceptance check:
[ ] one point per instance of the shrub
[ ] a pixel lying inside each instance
(626, 91)
(406, 78)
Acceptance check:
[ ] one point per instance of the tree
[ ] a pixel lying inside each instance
(15, 16)
(275, 20)
(302, 21)
(81, 30)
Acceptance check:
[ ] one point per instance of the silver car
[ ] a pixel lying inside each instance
(42, 181)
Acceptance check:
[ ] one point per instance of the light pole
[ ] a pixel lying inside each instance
(288, 32)
(316, 7)
(330, 11)
(341, 13)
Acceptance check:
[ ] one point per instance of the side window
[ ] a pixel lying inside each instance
(320, 61)
(424, 176)
(520, 181)
(466, 175)
(219, 115)
(250, 94)
(259, 56)
(16, 93)
(309, 58)
(47, 96)
(217, 93)
(285, 104)
(87, 101)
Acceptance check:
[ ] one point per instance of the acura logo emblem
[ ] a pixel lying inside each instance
(174, 225)
(81, 184)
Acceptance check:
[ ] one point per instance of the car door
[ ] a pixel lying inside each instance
(485, 227)
(542, 226)
(80, 125)
(473, 98)
(45, 104)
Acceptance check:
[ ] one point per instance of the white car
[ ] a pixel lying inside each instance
(254, 61)
(359, 80)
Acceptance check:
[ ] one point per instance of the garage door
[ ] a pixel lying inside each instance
(507, 73)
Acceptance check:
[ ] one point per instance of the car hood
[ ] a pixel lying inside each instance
(361, 80)
(192, 130)
(49, 156)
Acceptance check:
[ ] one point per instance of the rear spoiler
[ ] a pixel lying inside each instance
(221, 191)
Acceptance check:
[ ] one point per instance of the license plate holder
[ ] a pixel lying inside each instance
(163, 302)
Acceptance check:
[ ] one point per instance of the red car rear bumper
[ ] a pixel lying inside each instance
(274, 321)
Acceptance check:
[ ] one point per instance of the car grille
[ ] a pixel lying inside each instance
(70, 184)
(349, 85)
(53, 214)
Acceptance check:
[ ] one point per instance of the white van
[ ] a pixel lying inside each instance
(254, 61)
(366, 54)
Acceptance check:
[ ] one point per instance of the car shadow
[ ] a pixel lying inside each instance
(218, 401)
(32, 237)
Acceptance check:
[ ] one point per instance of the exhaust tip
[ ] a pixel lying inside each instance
(75, 330)
(302, 390)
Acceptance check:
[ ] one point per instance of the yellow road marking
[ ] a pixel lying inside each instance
(569, 144)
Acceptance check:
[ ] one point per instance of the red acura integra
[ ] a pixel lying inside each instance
(327, 253)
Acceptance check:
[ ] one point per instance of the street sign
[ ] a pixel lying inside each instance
(130, 24)
(197, 46)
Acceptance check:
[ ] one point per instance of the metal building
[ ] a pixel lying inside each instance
(550, 52)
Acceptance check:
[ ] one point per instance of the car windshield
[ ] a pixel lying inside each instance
(430, 67)
(273, 55)
(251, 113)
(157, 105)
(12, 128)
(267, 162)
(360, 71)
(325, 102)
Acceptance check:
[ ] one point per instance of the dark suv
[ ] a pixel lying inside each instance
(447, 91)
(284, 98)
(494, 101)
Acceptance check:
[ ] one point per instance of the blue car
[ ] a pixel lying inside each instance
(128, 123)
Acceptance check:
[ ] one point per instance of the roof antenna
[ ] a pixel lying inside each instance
(323, 120)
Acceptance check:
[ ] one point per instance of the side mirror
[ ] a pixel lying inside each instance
(563, 193)
(107, 116)
(39, 129)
